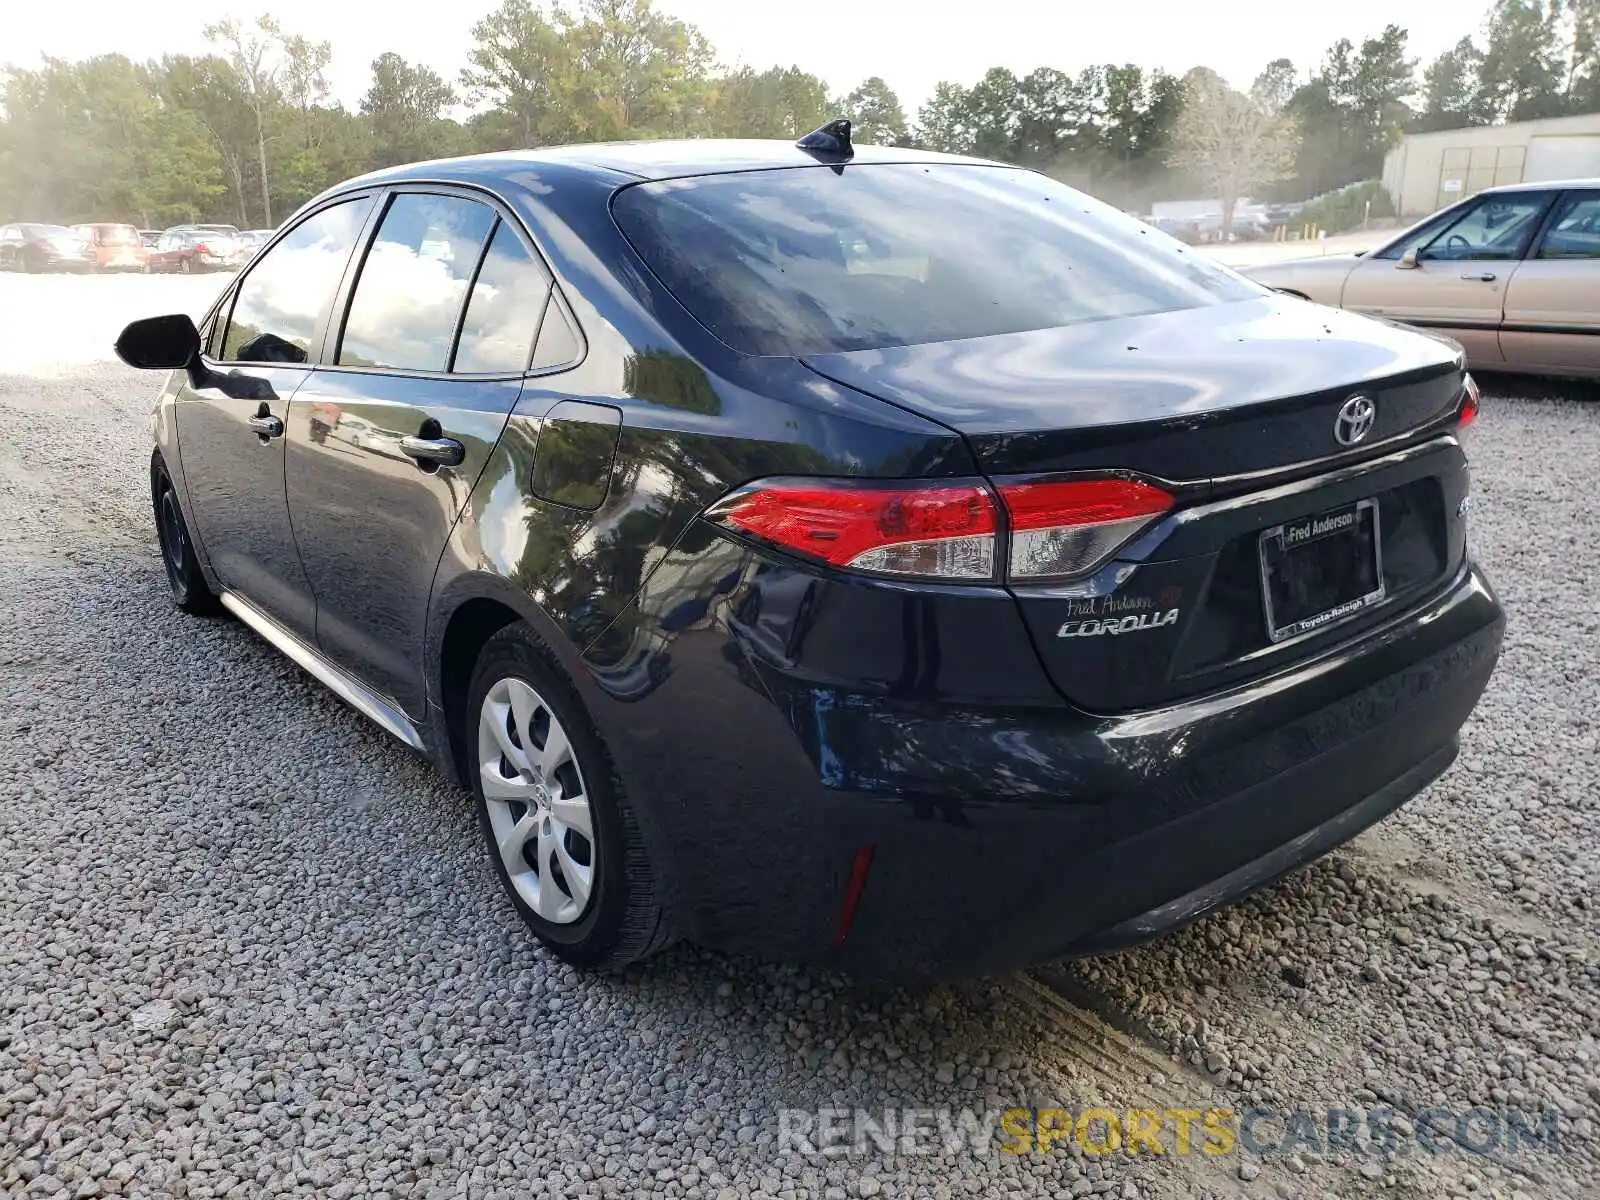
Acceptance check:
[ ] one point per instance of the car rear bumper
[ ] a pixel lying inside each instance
(995, 837)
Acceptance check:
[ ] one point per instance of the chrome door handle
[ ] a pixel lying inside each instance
(442, 451)
(1483, 277)
(267, 425)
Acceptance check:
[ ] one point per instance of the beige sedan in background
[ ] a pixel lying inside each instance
(1512, 273)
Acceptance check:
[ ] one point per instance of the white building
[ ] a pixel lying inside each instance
(1427, 171)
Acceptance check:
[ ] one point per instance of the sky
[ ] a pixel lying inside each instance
(913, 44)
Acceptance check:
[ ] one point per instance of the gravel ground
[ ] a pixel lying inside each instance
(249, 946)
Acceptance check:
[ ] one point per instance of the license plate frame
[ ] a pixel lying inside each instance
(1279, 546)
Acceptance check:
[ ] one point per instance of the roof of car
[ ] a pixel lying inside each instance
(663, 159)
(1543, 186)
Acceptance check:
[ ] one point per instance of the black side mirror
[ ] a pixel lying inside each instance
(160, 343)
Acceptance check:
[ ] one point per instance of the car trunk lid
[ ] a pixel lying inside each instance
(1234, 407)
(1197, 394)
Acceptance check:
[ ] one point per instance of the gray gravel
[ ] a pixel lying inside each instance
(249, 946)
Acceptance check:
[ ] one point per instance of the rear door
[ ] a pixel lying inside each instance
(1552, 319)
(230, 428)
(388, 437)
(1459, 278)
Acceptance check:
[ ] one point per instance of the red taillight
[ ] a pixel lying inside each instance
(1066, 528)
(947, 529)
(933, 530)
(1469, 402)
(202, 248)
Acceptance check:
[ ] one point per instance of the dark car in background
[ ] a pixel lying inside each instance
(30, 246)
(115, 247)
(878, 557)
(188, 249)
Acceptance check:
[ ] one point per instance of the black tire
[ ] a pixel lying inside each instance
(185, 266)
(190, 592)
(623, 921)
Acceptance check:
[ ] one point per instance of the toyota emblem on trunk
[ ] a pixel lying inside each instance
(1355, 420)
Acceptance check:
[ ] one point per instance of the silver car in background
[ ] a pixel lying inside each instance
(1513, 274)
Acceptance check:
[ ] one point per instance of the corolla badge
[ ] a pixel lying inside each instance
(1134, 623)
(1357, 415)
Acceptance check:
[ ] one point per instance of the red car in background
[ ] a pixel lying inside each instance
(189, 248)
(115, 247)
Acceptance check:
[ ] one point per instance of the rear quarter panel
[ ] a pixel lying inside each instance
(697, 420)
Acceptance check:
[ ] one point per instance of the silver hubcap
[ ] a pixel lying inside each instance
(537, 802)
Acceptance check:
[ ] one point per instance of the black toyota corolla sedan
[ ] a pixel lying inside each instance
(883, 558)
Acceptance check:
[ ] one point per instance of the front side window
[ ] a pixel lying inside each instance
(1496, 227)
(1574, 230)
(278, 310)
(413, 283)
(807, 260)
(508, 299)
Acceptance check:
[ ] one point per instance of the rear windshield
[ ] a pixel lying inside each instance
(807, 260)
(117, 235)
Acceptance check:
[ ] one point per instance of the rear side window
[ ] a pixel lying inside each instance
(507, 303)
(413, 283)
(808, 260)
(279, 306)
(1575, 228)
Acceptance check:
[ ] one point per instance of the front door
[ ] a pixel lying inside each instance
(232, 415)
(1552, 318)
(388, 439)
(1456, 282)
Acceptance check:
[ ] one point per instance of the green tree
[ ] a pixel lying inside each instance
(780, 102)
(1351, 111)
(1229, 140)
(1032, 120)
(874, 111)
(99, 143)
(1450, 94)
(208, 91)
(613, 68)
(994, 112)
(404, 108)
(256, 54)
(521, 67)
(1583, 72)
(943, 123)
(642, 73)
(1275, 87)
(1522, 75)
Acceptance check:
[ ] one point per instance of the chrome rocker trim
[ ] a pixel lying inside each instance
(357, 695)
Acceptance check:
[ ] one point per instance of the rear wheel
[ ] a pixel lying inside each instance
(185, 266)
(557, 822)
(190, 592)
